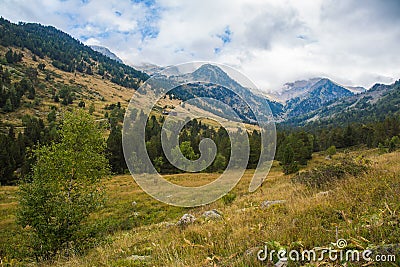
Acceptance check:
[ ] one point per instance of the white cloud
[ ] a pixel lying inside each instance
(270, 41)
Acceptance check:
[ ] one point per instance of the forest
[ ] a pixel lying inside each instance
(294, 145)
(67, 54)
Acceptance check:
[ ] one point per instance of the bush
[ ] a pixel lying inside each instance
(331, 151)
(323, 176)
(229, 198)
(65, 188)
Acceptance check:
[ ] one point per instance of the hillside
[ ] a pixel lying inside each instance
(320, 93)
(217, 84)
(66, 53)
(360, 208)
(336, 177)
(376, 104)
(43, 68)
(51, 86)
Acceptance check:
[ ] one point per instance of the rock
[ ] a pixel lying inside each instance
(165, 224)
(212, 215)
(281, 263)
(385, 249)
(186, 219)
(169, 224)
(138, 258)
(252, 251)
(265, 204)
(323, 193)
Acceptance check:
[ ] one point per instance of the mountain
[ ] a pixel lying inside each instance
(149, 68)
(105, 51)
(54, 70)
(317, 95)
(244, 101)
(43, 69)
(67, 53)
(355, 89)
(376, 104)
(293, 89)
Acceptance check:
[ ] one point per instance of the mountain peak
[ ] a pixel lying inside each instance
(105, 51)
(213, 72)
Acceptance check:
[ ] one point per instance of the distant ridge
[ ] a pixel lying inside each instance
(105, 51)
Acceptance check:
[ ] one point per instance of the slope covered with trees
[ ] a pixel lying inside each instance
(67, 53)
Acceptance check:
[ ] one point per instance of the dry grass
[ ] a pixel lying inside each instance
(94, 89)
(364, 209)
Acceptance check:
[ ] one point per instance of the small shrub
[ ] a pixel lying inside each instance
(322, 176)
(331, 151)
(228, 198)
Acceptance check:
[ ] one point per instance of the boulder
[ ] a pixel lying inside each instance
(265, 204)
(323, 194)
(212, 215)
(186, 219)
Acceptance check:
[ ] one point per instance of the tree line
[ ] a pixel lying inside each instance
(294, 145)
(11, 93)
(67, 54)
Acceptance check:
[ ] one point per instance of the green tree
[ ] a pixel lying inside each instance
(52, 116)
(7, 162)
(219, 163)
(289, 165)
(9, 56)
(41, 66)
(382, 148)
(115, 152)
(331, 151)
(187, 150)
(394, 143)
(91, 108)
(64, 188)
(8, 107)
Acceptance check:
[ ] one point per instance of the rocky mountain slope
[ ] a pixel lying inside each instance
(317, 95)
(105, 51)
(44, 67)
(375, 104)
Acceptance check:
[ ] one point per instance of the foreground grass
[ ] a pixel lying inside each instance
(363, 210)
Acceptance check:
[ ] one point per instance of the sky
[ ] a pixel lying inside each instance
(272, 42)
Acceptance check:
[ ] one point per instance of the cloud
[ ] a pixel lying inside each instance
(275, 25)
(272, 42)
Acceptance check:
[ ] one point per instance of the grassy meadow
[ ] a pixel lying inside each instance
(140, 231)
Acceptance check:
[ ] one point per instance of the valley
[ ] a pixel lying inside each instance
(335, 169)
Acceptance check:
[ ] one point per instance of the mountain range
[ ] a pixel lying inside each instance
(317, 100)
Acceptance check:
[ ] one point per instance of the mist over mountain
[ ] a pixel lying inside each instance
(375, 104)
(299, 102)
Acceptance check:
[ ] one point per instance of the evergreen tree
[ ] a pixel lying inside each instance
(115, 153)
(289, 165)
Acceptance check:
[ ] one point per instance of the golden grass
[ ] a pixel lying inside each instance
(95, 90)
(361, 208)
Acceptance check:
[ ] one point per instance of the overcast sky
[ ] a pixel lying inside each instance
(272, 42)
